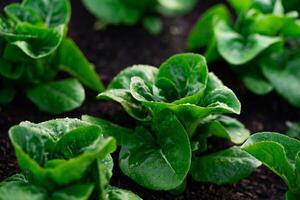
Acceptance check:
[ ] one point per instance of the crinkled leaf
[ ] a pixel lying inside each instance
(58, 96)
(36, 42)
(159, 162)
(21, 189)
(53, 12)
(220, 97)
(142, 92)
(123, 79)
(224, 167)
(131, 105)
(238, 50)
(18, 190)
(54, 153)
(203, 32)
(187, 74)
(20, 14)
(120, 194)
(74, 62)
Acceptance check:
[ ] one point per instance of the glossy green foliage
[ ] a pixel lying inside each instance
(62, 159)
(131, 12)
(160, 155)
(280, 153)
(33, 48)
(180, 106)
(181, 84)
(261, 45)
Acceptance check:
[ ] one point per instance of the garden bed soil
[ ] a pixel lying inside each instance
(118, 47)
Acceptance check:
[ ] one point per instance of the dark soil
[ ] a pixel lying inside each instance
(118, 47)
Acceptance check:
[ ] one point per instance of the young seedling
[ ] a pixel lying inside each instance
(180, 105)
(62, 159)
(280, 153)
(261, 45)
(131, 12)
(34, 48)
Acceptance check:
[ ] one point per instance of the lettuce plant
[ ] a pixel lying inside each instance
(261, 45)
(280, 153)
(62, 159)
(130, 12)
(34, 48)
(178, 107)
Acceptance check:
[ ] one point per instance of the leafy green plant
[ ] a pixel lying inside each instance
(34, 48)
(262, 45)
(130, 12)
(178, 106)
(62, 159)
(280, 153)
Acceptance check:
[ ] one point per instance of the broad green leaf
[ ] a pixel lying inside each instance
(113, 11)
(160, 161)
(203, 32)
(10, 70)
(121, 134)
(238, 50)
(74, 62)
(257, 84)
(20, 14)
(228, 128)
(58, 96)
(120, 194)
(267, 24)
(276, 151)
(76, 192)
(36, 42)
(13, 54)
(53, 12)
(21, 189)
(123, 79)
(144, 93)
(187, 74)
(283, 73)
(190, 115)
(219, 97)
(58, 152)
(175, 7)
(253, 78)
(224, 167)
(132, 106)
(103, 173)
(24, 191)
